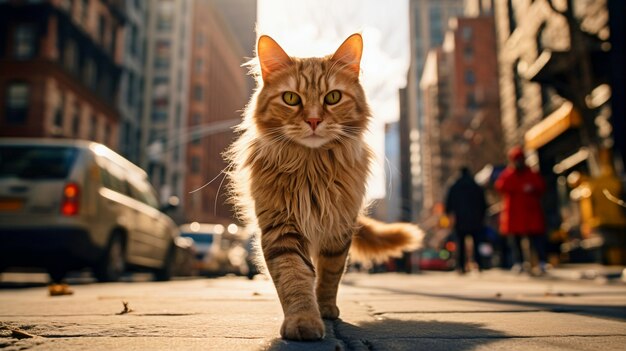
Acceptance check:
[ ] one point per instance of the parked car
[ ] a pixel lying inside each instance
(436, 260)
(220, 250)
(185, 257)
(69, 204)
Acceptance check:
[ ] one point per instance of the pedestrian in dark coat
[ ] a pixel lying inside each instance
(465, 201)
(522, 215)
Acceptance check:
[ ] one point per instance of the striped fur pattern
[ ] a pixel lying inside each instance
(299, 175)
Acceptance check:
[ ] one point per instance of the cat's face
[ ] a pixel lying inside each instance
(311, 101)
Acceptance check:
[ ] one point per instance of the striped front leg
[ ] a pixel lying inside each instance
(289, 264)
(330, 267)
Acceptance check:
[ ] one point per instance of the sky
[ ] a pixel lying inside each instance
(317, 27)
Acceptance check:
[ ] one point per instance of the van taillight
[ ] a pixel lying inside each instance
(69, 205)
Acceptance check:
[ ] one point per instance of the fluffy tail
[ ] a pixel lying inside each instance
(377, 241)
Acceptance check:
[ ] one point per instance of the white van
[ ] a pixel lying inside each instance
(69, 204)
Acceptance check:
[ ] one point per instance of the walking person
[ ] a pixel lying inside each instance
(465, 201)
(522, 216)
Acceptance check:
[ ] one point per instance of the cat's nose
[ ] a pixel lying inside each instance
(313, 122)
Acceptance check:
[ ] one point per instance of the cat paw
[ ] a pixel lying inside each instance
(302, 328)
(329, 311)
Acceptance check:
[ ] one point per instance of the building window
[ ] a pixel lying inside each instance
(199, 64)
(89, 73)
(70, 56)
(165, 17)
(84, 16)
(133, 40)
(93, 126)
(159, 116)
(470, 77)
(113, 41)
(66, 5)
(24, 41)
(57, 122)
(195, 140)
(107, 133)
(195, 164)
(200, 40)
(163, 52)
(16, 103)
(179, 115)
(160, 99)
(76, 123)
(467, 33)
(471, 102)
(468, 53)
(198, 93)
(196, 119)
(436, 24)
(102, 30)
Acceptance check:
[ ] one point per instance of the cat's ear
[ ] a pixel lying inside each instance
(349, 53)
(271, 56)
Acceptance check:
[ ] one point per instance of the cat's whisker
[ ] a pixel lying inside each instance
(217, 194)
(210, 181)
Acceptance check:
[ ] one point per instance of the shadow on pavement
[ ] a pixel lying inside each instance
(604, 311)
(393, 334)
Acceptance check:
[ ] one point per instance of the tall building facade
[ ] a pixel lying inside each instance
(475, 127)
(130, 97)
(219, 91)
(165, 97)
(427, 24)
(436, 93)
(461, 121)
(60, 68)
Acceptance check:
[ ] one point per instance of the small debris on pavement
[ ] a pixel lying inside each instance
(498, 295)
(560, 294)
(256, 294)
(60, 290)
(18, 333)
(126, 308)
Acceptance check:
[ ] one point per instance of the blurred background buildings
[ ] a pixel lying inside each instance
(161, 82)
(158, 81)
(545, 74)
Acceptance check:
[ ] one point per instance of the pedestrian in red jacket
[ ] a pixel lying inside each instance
(522, 216)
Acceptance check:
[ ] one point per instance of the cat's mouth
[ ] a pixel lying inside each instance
(313, 140)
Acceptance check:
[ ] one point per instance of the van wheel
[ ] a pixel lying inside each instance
(167, 270)
(113, 264)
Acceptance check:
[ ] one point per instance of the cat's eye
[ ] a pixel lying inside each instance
(291, 98)
(333, 97)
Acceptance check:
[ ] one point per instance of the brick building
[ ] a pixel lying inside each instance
(461, 120)
(427, 24)
(474, 129)
(59, 69)
(218, 93)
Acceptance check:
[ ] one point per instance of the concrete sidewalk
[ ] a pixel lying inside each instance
(434, 311)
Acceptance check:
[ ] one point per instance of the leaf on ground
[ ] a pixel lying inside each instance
(60, 290)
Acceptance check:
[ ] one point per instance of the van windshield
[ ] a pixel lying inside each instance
(36, 161)
(199, 238)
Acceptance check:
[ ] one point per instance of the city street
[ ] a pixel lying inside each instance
(391, 311)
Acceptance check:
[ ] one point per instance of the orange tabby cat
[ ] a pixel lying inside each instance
(299, 175)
